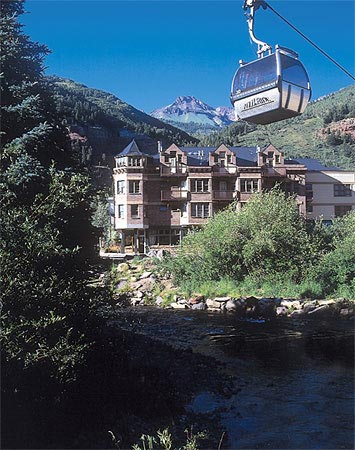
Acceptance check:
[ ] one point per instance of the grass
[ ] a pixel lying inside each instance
(249, 287)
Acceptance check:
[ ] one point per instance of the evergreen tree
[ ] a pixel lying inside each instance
(46, 244)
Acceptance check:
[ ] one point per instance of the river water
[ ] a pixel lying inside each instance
(292, 382)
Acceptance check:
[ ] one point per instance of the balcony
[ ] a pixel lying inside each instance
(223, 195)
(173, 195)
(274, 171)
(179, 170)
(244, 196)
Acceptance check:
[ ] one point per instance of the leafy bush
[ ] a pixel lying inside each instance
(266, 238)
(336, 269)
(267, 249)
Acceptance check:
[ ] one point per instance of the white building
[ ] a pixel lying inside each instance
(330, 191)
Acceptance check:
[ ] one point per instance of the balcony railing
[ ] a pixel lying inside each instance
(173, 195)
(222, 195)
(173, 170)
(274, 171)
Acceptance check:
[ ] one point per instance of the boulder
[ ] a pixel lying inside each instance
(135, 301)
(145, 274)
(327, 302)
(159, 301)
(122, 267)
(310, 306)
(321, 311)
(144, 285)
(199, 306)
(175, 305)
(346, 312)
(236, 305)
(281, 311)
(297, 314)
(222, 299)
(267, 308)
(196, 299)
(212, 304)
(292, 304)
(138, 294)
(121, 285)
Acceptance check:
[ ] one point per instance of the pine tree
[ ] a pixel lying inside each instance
(46, 240)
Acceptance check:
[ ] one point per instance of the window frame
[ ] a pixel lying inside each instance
(121, 211)
(244, 185)
(194, 185)
(121, 189)
(200, 210)
(342, 190)
(134, 216)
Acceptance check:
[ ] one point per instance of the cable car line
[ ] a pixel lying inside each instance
(276, 85)
(310, 41)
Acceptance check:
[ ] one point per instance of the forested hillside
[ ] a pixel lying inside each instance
(325, 131)
(101, 124)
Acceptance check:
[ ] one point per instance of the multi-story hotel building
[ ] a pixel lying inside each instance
(159, 195)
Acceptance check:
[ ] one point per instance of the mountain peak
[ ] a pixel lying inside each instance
(187, 110)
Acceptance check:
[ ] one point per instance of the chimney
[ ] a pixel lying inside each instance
(160, 147)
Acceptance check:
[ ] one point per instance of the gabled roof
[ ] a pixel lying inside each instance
(197, 156)
(246, 156)
(314, 164)
(131, 149)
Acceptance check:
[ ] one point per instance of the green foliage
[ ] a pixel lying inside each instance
(306, 136)
(266, 237)
(164, 441)
(84, 106)
(266, 248)
(336, 270)
(47, 244)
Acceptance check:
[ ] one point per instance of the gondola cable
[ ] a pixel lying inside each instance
(310, 41)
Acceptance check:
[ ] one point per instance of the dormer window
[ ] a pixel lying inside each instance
(134, 161)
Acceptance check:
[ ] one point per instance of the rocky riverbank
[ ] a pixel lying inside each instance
(136, 284)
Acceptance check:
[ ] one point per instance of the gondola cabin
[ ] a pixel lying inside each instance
(272, 88)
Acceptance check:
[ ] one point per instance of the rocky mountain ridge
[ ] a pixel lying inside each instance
(193, 115)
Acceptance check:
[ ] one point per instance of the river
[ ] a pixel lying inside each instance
(291, 383)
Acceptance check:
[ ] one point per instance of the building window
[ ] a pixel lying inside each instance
(120, 211)
(342, 190)
(163, 208)
(215, 158)
(134, 161)
(201, 210)
(341, 210)
(183, 210)
(229, 159)
(134, 187)
(199, 185)
(277, 159)
(309, 208)
(120, 186)
(134, 211)
(249, 186)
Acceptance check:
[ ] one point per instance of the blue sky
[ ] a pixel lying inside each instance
(149, 52)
